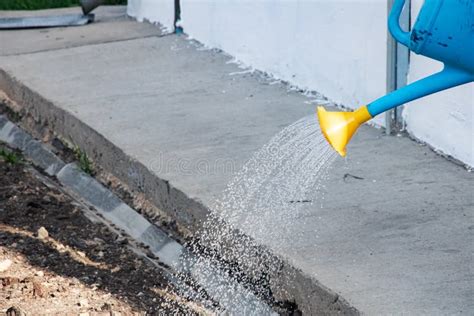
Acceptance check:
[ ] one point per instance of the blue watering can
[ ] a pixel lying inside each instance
(444, 30)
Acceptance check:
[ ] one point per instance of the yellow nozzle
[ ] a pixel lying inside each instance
(338, 127)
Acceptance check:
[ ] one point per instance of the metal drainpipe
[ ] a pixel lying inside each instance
(397, 69)
(391, 70)
(403, 63)
(177, 17)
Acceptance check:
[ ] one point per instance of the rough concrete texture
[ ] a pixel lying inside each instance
(154, 111)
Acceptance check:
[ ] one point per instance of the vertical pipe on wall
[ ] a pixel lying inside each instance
(403, 61)
(177, 17)
(397, 68)
(391, 71)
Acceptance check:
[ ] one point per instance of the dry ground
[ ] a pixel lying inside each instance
(55, 261)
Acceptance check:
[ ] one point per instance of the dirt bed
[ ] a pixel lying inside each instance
(55, 261)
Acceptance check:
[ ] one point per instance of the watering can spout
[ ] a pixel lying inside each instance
(338, 127)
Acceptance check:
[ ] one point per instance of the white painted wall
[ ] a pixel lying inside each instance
(444, 120)
(161, 11)
(336, 47)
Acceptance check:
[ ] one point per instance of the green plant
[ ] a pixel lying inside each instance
(15, 116)
(10, 157)
(84, 162)
(46, 4)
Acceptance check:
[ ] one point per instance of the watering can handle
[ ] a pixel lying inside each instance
(394, 23)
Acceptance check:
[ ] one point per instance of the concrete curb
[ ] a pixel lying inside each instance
(17, 138)
(288, 283)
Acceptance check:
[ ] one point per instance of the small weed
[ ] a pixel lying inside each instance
(15, 116)
(10, 157)
(7, 110)
(84, 162)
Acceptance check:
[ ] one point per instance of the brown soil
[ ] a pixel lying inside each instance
(80, 268)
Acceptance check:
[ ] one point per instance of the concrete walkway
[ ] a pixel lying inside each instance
(151, 108)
